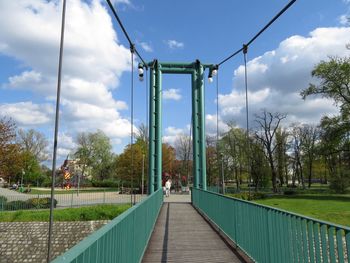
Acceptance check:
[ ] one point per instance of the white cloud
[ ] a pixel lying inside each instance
(211, 125)
(146, 47)
(173, 130)
(172, 94)
(117, 2)
(27, 113)
(65, 145)
(29, 78)
(93, 63)
(172, 133)
(173, 44)
(343, 20)
(276, 78)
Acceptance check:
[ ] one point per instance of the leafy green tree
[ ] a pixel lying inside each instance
(260, 168)
(234, 145)
(125, 173)
(30, 167)
(10, 163)
(94, 150)
(334, 82)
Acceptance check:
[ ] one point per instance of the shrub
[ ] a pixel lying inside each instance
(289, 192)
(105, 183)
(339, 182)
(3, 199)
(17, 205)
(253, 195)
(41, 202)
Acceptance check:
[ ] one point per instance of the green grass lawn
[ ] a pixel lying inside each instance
(331, 208)
(100, 212)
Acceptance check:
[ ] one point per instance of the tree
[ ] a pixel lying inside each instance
(296, 145)
(259, 166)
(34, 142)
(95, 150)
(168, 158)
(281, 155)
(234, 144)
(334, 82)
(183, 149)
(212, 165)
(30, 168)
(309, 134)
(123, 165)
(142, 133)
(268, 123)
(335, 147)
(9, 149)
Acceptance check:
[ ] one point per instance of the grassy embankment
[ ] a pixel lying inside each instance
(100, 212)
(331, 208)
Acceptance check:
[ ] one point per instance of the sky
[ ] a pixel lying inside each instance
(96, 71)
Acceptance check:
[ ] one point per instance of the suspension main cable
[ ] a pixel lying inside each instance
(261, 31)
(124, 31)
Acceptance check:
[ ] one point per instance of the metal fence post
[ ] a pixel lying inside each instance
(71, 199)
(104, 196)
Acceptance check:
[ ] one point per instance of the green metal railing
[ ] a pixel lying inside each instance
(271, 235)
(124, 239)
(69, 199)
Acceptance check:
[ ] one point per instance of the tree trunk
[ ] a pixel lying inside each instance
(310, 173)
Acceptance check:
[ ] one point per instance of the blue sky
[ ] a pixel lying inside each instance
(96, 69)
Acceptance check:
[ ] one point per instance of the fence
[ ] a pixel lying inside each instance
(271, 235)
(70, 199)
(122, 240)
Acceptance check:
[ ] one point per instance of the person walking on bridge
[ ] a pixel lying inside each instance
(167, 187)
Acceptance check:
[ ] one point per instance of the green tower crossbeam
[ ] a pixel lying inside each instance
(196, 70)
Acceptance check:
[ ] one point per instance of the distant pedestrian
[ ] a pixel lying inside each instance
(167, 188)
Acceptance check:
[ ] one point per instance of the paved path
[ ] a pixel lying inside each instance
(182, 235)
(178, 198)
(71, 199)
(13, 195)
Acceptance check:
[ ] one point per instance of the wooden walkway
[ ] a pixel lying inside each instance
(182, 235)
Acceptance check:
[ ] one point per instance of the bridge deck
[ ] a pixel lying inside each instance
(182, 235)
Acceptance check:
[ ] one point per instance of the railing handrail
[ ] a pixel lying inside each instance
(337, 226)
(91, 239)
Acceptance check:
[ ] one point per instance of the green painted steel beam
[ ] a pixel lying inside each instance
(181, 65)
(158, 90)
(177, 70)
(195, 135)
(201, 125)
(151, 144)
(196, 69)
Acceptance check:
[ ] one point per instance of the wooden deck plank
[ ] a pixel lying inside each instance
(182, 235)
